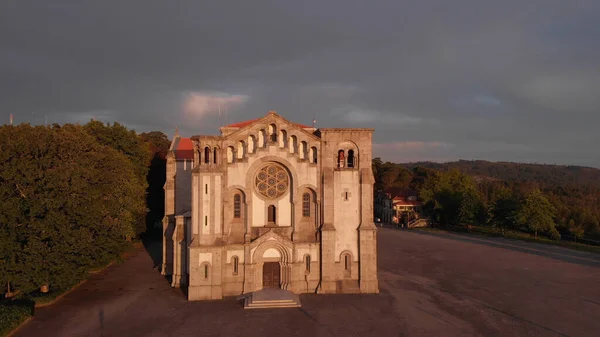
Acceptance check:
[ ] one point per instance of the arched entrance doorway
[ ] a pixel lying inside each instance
(272, 267)
(271, 275)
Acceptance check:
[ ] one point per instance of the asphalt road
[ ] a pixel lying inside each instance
(432, 284)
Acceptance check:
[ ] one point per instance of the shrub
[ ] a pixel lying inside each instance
(13, 313)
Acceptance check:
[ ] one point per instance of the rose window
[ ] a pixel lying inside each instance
(272, 181)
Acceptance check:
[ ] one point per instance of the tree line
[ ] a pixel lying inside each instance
(541, 199)
(73, 199)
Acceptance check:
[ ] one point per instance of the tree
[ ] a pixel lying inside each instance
(159, 146)
(503, 208)
(469, 206)
(576, 230)
(135, 149)
(68, 204)
(537, 213)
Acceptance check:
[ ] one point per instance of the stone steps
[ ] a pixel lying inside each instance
(271, 298)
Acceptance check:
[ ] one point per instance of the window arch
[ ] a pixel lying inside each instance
(206, 155)
(235, 261)
(205, 270)
(262, 138)
(215, 156)
(282, 138)
(230, 157)
(341, 158)
(306, 205)
(304, 150)
(273, 132)
(272, 214)
(351, 159)
(346, 260)
(307, 263)
(241, 150)
(313, 155)
(293, 144)
(198, 155)
(237, 206)
(251, 143)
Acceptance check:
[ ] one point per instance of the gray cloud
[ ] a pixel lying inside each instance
(510, 80)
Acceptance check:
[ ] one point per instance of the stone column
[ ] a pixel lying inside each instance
(179, 245)
(367, 234)
(328, 236)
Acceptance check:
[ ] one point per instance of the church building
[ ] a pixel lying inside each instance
(270, 204)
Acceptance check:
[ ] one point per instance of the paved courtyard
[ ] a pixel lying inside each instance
(432, 284)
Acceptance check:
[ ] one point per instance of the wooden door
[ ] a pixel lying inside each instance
(271, 275)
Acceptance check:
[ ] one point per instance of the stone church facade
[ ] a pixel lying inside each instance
(270, 204)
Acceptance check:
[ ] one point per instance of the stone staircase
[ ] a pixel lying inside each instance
(271, 298)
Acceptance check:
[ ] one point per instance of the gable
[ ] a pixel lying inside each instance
(263, 123)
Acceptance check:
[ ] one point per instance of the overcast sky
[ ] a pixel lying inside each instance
(510, 80)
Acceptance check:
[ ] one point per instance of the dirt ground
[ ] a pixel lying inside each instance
(432, 284)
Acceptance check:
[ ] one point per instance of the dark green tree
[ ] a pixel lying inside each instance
(69, 203)
(135, 149)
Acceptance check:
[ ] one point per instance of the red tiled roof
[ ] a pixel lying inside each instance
(185, 149)
(242, 124)
(248, 122)
(403, 202)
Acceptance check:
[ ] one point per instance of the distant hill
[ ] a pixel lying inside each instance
(560, 175)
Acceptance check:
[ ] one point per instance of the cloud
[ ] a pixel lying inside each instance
(572, 91)
(481, 75)
(486, 100)
(198, 105)
(359, 116)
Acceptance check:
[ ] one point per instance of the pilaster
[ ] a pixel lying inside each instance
(328, 276)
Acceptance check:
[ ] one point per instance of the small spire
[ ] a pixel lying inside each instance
(176, 131)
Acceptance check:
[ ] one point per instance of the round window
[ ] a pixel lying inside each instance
(272, 181)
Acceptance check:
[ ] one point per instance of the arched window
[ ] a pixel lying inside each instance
(251, 143)
(293, 144)
(313, 155)
(215, 155)
(341, 159)
(237, 206)
(351, 158)
(304, 150)
(235, 265)
(307, 262)
(306, 205)
(273, 132)
(207, 155)
(272, 214)
(282, 138)
(347, 264)
(206, 272)
(230, 154)
(241, 149)
(262, 138)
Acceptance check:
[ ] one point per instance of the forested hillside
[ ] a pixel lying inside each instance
(551, 199)
(548, 174)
